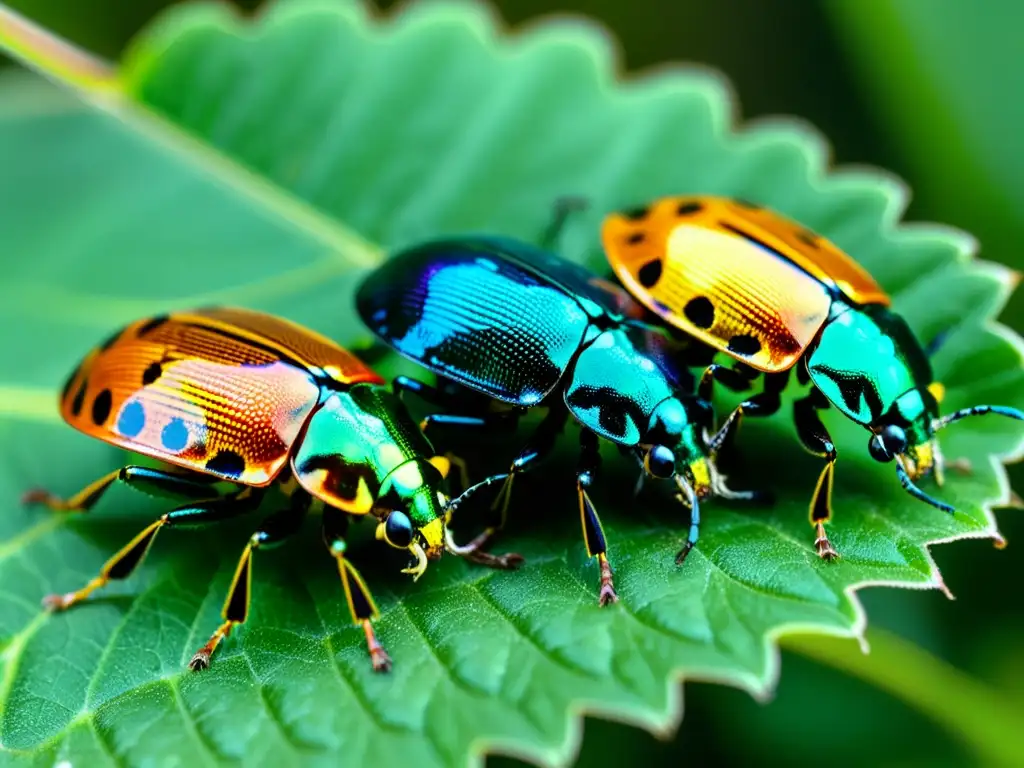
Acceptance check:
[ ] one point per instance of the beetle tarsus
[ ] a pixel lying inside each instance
(824, 547)
(473, 551)
(510, 561)
(608, 593)
(60, 602)
(961, 466)
(68, 599)
(200, 661)
(201, 658)
(43, 496)
(683, 553)
(378, 656)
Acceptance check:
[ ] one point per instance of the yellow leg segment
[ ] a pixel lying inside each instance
(201, 659)
(80, 502)
(120, 566)
(275, 529)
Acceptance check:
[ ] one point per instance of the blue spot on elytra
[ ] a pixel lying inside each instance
(175, 435)
(380, 316)
(132, 419)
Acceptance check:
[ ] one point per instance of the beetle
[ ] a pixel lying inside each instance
(232, 395)
(773, 295)
(508, 326)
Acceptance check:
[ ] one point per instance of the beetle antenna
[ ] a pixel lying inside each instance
(976, 410)
(454, 503)
(917, 493)
(933, 346)
(691, 499)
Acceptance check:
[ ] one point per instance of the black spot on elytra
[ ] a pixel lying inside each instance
(692, 206)
(744, 344)
(101, 407)
(66, 390)
(153, 324)
(636, 214)
(151, 374)
(636, 238)
(79, 401)
(807, 237)
(745, 203)
(650, 273)
(700, 311)
(227, 462)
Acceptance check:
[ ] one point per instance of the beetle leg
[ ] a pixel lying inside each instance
(733, 379)
(763, 404)
(932, 347)
(360, 602)
(593, 531)
(275, 529)
(471, 551)
(537, 448)
(155, 482)
(464, 408)
(489, 421)
(447, 395)
(122, 564)
(562, 210)
(817, 440)
(403, 384)
(769, 400)
(641, 479)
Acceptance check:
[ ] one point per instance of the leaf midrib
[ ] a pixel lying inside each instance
(100, 85)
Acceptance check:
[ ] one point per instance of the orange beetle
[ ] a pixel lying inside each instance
(761, 288)
(234, 395)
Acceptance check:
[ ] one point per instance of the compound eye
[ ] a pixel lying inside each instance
(398, 530)
(660, 461)
(895, 439)
(878, 450)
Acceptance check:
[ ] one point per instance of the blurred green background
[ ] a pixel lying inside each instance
(929, 89)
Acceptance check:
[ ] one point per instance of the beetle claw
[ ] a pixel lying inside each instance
(200, 661)
(824, 547)
(608, 593)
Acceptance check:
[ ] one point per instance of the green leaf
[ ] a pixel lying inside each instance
(273, 163)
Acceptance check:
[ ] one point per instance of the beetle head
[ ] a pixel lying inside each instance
(907, 436)
(412, 510)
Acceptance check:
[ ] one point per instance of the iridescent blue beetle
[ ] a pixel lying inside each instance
(514, 323)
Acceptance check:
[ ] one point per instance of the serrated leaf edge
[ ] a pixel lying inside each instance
(724, 103)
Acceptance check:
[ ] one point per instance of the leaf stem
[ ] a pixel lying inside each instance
(50, 55)
(28, 403)
(984, 719)
(101, 84)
